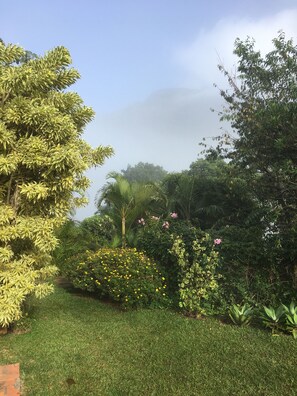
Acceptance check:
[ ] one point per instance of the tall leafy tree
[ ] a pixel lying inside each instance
(261, 105)
(210, 194)
(179, 189)
(143, 172)
(42, 165)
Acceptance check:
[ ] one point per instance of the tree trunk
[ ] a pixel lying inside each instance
(123, 231)
(295, 276)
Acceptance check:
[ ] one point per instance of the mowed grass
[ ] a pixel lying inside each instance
(81, 346)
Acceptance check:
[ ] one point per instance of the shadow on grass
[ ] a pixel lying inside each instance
(65, 284)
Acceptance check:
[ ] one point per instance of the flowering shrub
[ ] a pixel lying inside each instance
(197, 276)
(155, 237)
(123, 275)
(156, 241)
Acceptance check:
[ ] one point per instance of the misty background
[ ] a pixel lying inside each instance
(147, 68)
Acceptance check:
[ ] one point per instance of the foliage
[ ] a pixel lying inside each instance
(72, 240)
(216, 197)
(291, 318)
(197, 277)
(179, 188)
(123, 275)
(124, 201)
(42, 160)
(144, 173)
(284, 318)
(211, 194)
(241, 315)
(273, 318)
(250, 268)
(76, 237)
(155, 236)
(261, 105)
(156, 241)
(101, 228)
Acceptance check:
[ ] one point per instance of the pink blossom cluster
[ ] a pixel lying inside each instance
(173, 215)
(217, 241)
(141, 221)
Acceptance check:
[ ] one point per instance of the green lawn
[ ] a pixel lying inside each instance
(81, 346)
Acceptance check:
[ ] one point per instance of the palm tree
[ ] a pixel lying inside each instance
(179, 189)
(124, 201)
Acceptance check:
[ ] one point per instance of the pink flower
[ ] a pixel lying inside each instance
(141, 221)
(217, 241)
(165, 225)
(174, 215)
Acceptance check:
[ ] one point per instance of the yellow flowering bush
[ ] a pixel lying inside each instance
(123, 275)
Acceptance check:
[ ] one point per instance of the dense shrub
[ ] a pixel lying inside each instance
(101, 227)
(77, 237)
(250, 268)
(123, 275)
(154, 237)
(198, 275)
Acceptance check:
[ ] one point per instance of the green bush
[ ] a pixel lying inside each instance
(123, 275)
(155, 239)
(198, 277)
(77, 237)
(250, 268)
(101, 227)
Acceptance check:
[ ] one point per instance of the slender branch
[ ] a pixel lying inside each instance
(4, 98)
(9, 190)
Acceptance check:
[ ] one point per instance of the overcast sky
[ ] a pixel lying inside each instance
(147, 67)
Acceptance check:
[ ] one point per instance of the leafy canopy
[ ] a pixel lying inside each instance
(124, 201)
(42, 165)
(261, 105)
(144, 173)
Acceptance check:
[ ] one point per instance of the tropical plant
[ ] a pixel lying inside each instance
(42, 161)
(211, 194)
(124, 201)
(273, 318)
(241, 315)
(291, 318)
